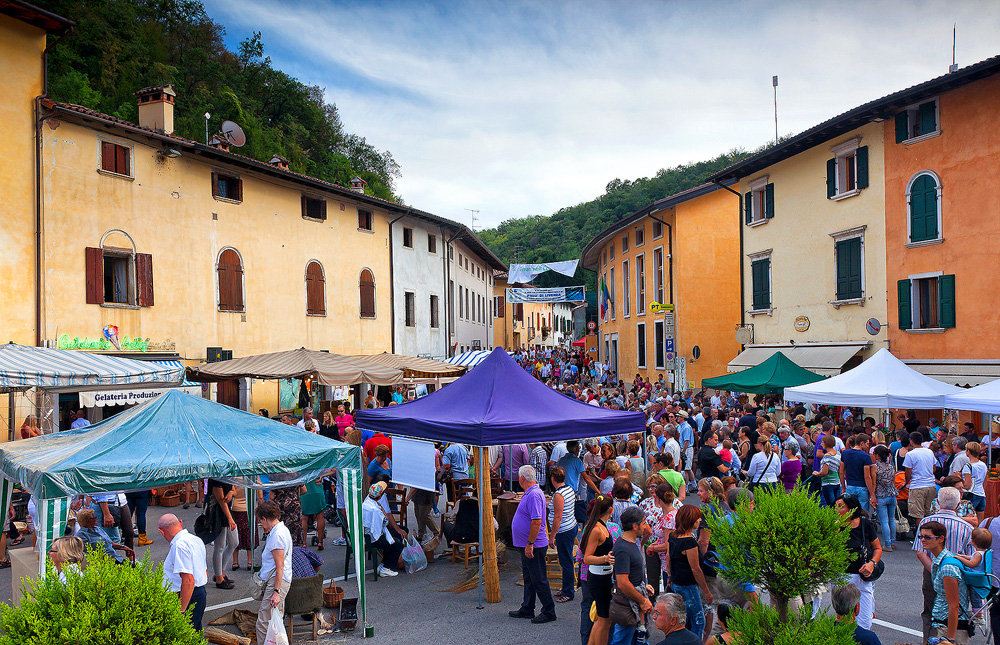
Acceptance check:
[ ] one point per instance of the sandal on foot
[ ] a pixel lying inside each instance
(17, 541)
(236, 566)
(5, 564)
(563, 599)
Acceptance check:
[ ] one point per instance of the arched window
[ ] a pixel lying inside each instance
(230, 270)
(315, 289)
(367, 288)
(923, 197)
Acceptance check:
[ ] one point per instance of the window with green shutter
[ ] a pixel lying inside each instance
(927, 303)
(760, 277)
(758, 204)
(917, 121)
(847, 172)
(946, 301)
(903, 288)
(849, 278)
(923, 207)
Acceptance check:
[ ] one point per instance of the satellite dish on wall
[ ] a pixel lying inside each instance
(233, 134)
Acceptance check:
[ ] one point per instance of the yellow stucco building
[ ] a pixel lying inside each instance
(680, 251)
(813, 252)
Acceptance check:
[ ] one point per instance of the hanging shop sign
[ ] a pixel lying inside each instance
(110, 341)
(658, 307)
(545, 295)
(801, 323)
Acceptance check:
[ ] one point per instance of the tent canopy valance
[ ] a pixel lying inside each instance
(498, 403)
(174, 438)
(23, 367)
(769, 377)
(883, 381)
(415, 368)
(329, 369)
(470, 359)
(983, 398)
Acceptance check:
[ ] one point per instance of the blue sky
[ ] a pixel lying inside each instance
(522, 108)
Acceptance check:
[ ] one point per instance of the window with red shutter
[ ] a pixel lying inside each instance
(315, 289)
(230, 274)
(144, 279)
(116, 158)
(367, 288)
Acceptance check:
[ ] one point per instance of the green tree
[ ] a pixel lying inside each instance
(105, 603)
(761, 625)
(788, 545)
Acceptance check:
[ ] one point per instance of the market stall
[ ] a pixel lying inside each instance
(770, 377)
(497, 404)
(418, 370)
(172, 439)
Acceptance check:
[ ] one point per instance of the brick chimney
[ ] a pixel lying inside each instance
(219, 143)
(358, 185)
(279, 162)
(156, 108)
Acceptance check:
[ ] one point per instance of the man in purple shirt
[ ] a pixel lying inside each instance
(528, 531)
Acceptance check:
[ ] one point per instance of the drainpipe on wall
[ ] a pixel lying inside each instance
(444, 273)
(392, 285)
(447, 291)
(739, 211)
(670, 255)
(38, 189)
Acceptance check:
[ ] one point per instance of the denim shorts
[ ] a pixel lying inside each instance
(979, 503)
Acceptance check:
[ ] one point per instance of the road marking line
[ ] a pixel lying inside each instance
(898, 628)
(242, 601)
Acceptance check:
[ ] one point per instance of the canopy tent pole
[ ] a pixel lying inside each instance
(482, 456)
(353, 497)
(52, 514)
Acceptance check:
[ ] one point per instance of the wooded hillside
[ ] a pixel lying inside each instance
(120, 46)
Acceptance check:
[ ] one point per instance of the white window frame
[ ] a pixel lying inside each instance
(639, 237)
(842, 152)
(640, 285)
(659, 288)
(912, 111)
(640, 357)
(757, 189)
(661, 360)
(840, 236)
(915, 303)
(909, 218)
(657, 224)
(754, 257)
(626, 292)
(132, 297)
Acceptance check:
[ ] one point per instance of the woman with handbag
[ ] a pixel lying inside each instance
(684, 568)
(275, 576)
(227, 539)
(863, 544)
(765, 465)
(596, 544)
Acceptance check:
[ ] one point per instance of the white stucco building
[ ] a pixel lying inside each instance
(442, 284)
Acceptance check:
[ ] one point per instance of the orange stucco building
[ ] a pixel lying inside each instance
(682, 250)
(942, 231)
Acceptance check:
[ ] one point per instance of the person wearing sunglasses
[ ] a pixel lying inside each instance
(865, 550)
(950, 613)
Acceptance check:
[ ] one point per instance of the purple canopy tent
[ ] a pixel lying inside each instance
(499, 404)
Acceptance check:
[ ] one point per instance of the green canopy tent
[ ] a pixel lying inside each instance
(770, 377)
(174, 438)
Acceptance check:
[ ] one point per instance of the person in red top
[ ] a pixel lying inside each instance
(343, 420)
(378, 439)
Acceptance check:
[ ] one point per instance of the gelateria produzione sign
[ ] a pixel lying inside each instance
(125, 344)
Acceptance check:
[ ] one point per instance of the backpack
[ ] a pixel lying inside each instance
(981, 584)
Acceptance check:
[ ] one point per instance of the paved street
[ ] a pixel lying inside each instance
(416, 608)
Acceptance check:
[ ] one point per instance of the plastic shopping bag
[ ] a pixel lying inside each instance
(413, 556)
(275, 631)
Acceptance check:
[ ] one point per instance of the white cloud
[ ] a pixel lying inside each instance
(519, 108)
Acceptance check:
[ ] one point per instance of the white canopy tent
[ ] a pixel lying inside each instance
(982, 398)
(883, 381)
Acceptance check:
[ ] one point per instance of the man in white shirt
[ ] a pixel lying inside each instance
(961, 460)
(919, 466)
(307, 415)
(377, 528)
(185, 567)
(673, 447)
(716, 400)
(558, 452)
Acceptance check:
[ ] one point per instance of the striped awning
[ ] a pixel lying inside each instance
(469, 359)
(23, 367)
(416, 368)
(135, 395)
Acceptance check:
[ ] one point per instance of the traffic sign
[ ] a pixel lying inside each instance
(669, 345)
(873, 326)
(670, 356)
(591, 325)
(658, 307)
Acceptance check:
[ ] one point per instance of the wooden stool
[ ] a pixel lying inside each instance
(467, 552)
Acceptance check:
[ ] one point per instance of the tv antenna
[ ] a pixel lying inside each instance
(473, 211)
(233, 134)
(954, 38)
(774, 84)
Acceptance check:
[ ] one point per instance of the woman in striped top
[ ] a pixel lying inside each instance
(562, 529)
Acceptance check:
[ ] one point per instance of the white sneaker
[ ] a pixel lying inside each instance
(385, 571)
(340, 542)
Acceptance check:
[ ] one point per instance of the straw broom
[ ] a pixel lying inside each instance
(491, 575)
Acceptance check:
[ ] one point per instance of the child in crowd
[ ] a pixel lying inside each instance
(982, 540)
(729, 456)
(829, 472)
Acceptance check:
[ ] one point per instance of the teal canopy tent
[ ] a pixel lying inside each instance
(174, 438)
(770, 377)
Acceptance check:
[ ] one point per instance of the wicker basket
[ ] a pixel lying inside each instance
(332, 595)
(170, 499)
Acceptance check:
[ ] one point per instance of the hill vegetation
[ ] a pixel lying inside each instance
(562, 235)
(120, 46)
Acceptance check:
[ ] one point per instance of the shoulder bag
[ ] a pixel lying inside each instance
(865, 555)
(258, 584)
(755, 484)
(623, 610)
